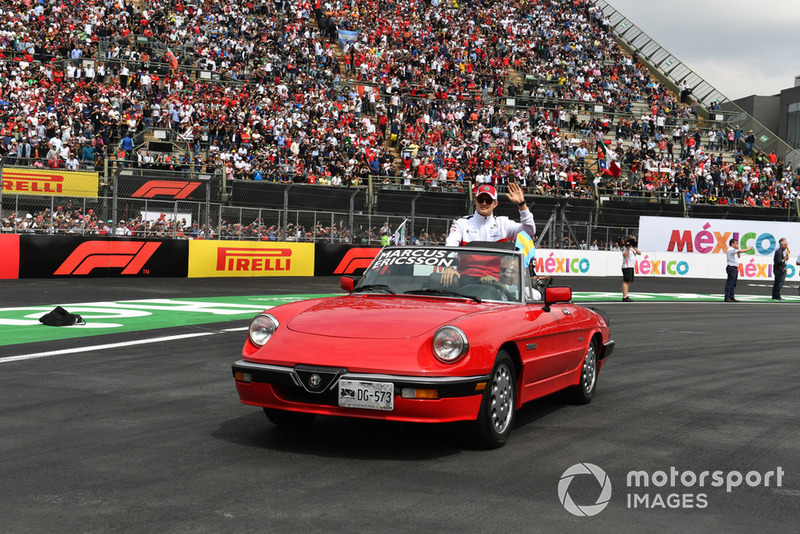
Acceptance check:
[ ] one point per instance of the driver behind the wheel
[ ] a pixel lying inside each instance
(508, 276)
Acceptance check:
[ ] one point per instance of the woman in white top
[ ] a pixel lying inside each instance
(629, 253)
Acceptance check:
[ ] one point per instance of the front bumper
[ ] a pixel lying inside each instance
(608, 348)
(290, 388)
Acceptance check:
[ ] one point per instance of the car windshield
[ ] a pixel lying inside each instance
(478, 274)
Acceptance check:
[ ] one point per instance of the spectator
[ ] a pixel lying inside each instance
(779, 267)
(629, 253)
(732, 268)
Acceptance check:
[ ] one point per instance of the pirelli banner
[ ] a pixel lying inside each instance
(248, 258)
(50, 182)
(135, 185)
(66, 256)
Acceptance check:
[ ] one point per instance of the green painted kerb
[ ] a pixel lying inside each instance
(21, 324)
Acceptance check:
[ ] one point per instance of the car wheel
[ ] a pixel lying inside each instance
(584, 391)
(496, 415)
(288, 419)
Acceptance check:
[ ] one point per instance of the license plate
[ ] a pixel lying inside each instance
(367, 395)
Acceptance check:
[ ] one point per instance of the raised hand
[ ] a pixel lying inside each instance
(515, 193)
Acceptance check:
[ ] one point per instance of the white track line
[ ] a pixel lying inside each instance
(36, 355)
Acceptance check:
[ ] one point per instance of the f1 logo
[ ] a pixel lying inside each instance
(356, 258)
(130, 255)
(177, 189)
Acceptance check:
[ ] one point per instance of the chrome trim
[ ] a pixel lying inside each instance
(377, 377)
(425, 380)
(464, 348)
(335, 373)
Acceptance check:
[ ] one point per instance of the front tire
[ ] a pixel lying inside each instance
(287, 419)
(584, 391)
(498, 405)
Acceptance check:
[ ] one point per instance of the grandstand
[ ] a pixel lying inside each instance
(322, 120)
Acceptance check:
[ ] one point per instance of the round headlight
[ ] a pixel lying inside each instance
(449, 344)
(262, 328)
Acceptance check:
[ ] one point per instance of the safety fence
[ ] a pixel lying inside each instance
(145, 203)
(560, 225)
(37, 256)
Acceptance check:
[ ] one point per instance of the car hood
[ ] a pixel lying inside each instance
(380, 317)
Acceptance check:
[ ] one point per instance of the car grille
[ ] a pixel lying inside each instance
(298, 394)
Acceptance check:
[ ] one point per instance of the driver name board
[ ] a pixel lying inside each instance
(430, 258)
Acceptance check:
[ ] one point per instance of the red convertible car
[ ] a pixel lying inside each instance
(427, 334)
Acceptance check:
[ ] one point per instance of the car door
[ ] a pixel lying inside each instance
(549, 352)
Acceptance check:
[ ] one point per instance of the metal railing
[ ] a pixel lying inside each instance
(674, 73)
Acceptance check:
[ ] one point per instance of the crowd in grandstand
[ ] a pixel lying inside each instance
(416, 93)
(685, 163)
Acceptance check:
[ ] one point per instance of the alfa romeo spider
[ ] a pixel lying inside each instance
(426, 334)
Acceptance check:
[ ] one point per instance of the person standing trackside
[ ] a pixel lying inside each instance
(779, 268)
(732, 268)
(629, 253)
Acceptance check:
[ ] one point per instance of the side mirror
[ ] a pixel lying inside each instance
(553, 295)
(347, 283)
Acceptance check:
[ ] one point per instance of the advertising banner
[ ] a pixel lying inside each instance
(572, 262)
(49, 182)
(9, 251)
(671, 265)
(330, 260)
(166, 189)
(350, 259)
(711, 236)
(247, 258)
(61, 256)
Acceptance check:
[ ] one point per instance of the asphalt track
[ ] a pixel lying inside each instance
(151, 437)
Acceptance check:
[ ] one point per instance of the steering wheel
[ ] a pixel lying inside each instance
(502, 289)
(492, 291)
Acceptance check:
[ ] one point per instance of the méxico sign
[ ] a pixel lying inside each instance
(711, 236)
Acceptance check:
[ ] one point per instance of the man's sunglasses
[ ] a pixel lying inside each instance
(484, 200)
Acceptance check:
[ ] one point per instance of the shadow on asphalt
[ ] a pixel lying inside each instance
(342, 437)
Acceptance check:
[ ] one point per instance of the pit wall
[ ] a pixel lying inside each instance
(36, 256)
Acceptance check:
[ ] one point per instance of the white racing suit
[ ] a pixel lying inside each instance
(476, 227)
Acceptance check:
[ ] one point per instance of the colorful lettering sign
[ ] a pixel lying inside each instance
(711, 236)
